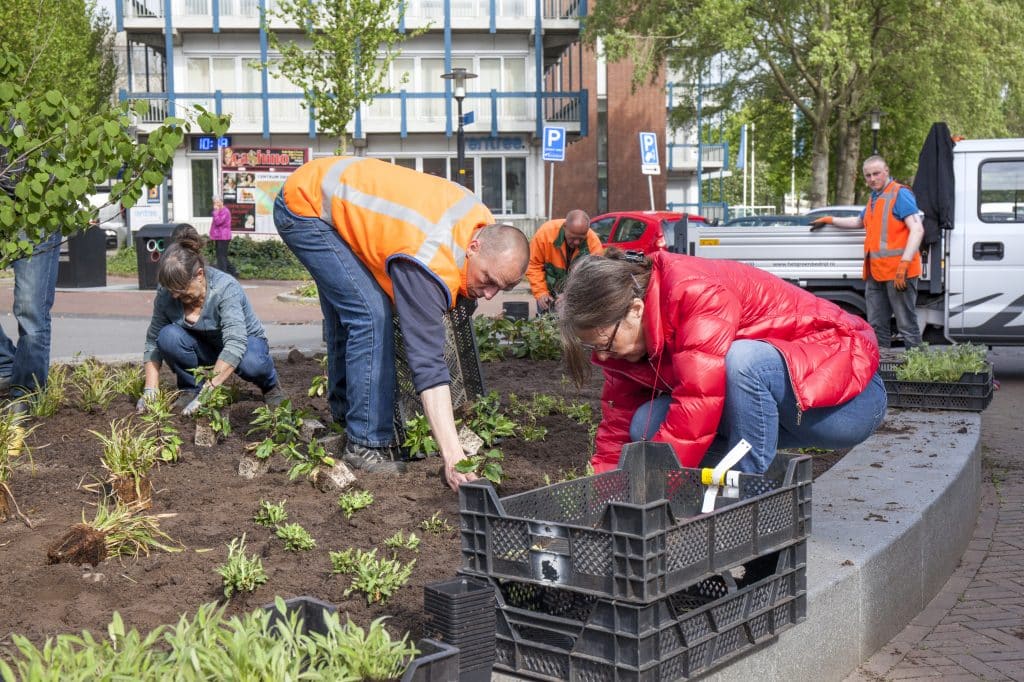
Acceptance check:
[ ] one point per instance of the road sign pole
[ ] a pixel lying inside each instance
(551, 189)
(650, 188)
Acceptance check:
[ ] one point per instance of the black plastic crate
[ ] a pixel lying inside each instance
(461, 612)
(972, 393)
(636, 533)
(460, 354)
(551, 634)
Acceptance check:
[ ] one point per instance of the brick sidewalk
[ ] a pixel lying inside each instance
(974, 628)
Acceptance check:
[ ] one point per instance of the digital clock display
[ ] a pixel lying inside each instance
(209, 143)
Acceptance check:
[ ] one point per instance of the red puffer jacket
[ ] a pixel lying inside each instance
(693, 311)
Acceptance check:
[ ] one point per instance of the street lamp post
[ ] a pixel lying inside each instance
(458, 76)
(876, 123)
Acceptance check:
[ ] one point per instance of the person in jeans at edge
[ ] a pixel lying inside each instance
(700, 353)
(220, 235)
(202, 317)
(373, 234)
(892, 257)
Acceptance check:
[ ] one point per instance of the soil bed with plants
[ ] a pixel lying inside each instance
(221, 537)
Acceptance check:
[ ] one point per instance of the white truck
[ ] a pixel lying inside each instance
(972, 288)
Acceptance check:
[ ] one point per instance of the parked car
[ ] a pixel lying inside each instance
(646, 231)
(764, 220)
(834, 211)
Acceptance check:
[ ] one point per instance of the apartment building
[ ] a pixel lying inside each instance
(208, 52)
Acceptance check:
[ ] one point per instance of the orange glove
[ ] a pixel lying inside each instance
(901, 276)
(821, 222)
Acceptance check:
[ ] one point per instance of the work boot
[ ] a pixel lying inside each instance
(372, 460)
(274, 396)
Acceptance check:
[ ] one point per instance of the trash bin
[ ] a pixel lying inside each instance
(84, 262)
(150, 243)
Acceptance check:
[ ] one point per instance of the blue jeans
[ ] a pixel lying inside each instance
(184, 351)
(359, 327)
(883, 301)
(760, 407)
(35, 282)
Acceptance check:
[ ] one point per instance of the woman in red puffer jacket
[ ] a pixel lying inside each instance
(700, 353)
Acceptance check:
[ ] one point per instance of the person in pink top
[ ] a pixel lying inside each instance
(220, 234)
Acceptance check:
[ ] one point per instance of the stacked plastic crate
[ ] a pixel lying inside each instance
(619, 576)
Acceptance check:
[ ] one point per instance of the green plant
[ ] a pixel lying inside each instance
(306, 290)
(399, 541)
(487, 465)
(270, 514)
(564, 475)
(212, 401)
(489, 337)
(538, 339)
(354, 500)
(945, 364)
(13, 431)
(118, 530)
(488, 422)
(295, 537)
(128, 380)
(96, 386)
(241, 573)
(129, 452)
(581, 413)
(531, 433)
(318, 385)
(123, 263)
(282, 424)
(543, 405)
(45, 401)
(158, 414)
(418, 436)
(308, 463)
(436, 525)
(372, 655)
(377, 578)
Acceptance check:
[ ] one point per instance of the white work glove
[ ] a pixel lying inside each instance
(191, 408)
(148, 394)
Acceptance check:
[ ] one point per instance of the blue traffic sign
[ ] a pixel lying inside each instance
(649, 164)
(554, 143)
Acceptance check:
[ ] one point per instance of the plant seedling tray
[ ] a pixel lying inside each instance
(972, 393)
(634, 534)
(548, 633)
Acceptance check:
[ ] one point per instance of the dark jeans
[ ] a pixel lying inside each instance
(183, 351)
(884, 301)
(223, 264)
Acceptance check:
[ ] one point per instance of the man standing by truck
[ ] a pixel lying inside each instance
(892, 260)
(553, 249)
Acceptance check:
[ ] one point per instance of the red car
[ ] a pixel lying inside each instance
(646, 231)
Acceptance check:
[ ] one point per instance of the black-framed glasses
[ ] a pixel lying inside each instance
(607, 348)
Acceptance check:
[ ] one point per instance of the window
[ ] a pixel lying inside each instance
(503, 184)
(630, 229)
(603, 228)
(434, 166)
(202, 187)
(1001, 192)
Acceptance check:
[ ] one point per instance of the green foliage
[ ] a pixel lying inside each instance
(377, 578)
(533, 432)
(44, 402)
(399, 541)
(567, 475)
(418, 436)
(538, 339)
(491, 333)
(946, 364)
(263, 259)
(96, 385)
(310, 462)
(241, 573)
(127, 532)
(351, 44)
(270, 514)
(123, 263)
(306, 290)
(487, 464)
(53, 152)
(436, 524)
(295, 537)
(282, 426)
(581, 413)
(209, 646)
(354, 500)
(213, 401)
(130, 450)
(128, 379)
(14, 428)
(318, 385)
(487, 420)
(158, 414)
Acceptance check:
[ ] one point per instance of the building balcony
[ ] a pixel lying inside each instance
(682, 158)
(402, 112)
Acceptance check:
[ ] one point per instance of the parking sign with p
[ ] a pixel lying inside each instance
(649, 164)
(554, 143)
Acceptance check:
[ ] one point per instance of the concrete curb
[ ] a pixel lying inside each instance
(889, 524)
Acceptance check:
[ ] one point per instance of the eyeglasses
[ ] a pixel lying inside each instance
(607, 348)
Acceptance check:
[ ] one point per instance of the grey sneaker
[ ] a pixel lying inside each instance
(372, 460)
(274, 397)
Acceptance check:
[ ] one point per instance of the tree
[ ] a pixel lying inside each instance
(835, 61)
(351, 45)
(53, 152)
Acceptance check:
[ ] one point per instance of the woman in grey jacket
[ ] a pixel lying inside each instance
(202, 317)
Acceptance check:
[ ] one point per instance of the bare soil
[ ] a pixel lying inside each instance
(208, 504)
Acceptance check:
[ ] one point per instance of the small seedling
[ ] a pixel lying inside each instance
(158, 414)
(129, 452)
(538, 339)
(543, 405)
(318, 386)
(295, 537)
(13, 431)
(308, 463)
(487, 465)
(487, 420)
(128, 380)
(241, 573)
(270, 514)
(581, 413)
(212, 402)
(418, 436)
(436, 525)
(116, 531)
(399, 541)
(354, 500)
(946, 364)
(377, 578)
(372, 655)
(282, 426)
(532, 433)
(564, 475)
(44, 402)
(96, 386)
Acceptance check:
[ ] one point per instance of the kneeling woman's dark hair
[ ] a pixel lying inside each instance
(182, 260)
(598, 294)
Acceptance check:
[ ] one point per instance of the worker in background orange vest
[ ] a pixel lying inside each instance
(373, 234)
(554, 248)
(892, 258)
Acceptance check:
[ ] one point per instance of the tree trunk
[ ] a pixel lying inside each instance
(848, 164)
(819, 162)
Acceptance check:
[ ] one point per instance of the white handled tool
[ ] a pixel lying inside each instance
(722, 475)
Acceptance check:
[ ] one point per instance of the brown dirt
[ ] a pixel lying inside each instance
(208, 504)
(81, 546)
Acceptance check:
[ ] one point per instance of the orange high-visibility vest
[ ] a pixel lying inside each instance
(886, 238)
(384, 211)
(549, 265)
